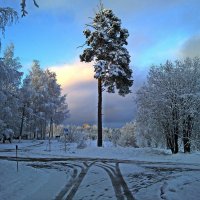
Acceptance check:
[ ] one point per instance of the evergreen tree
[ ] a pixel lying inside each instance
(105, 42)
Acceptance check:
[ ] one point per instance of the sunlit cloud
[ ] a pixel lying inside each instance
(69, 75)
(76, 80)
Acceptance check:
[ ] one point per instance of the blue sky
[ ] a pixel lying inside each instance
(159, 30)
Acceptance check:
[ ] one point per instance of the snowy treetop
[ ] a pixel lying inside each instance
(105, 40)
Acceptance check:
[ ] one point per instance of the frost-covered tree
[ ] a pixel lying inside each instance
(168, 105)
(106, 40)
(27, 94)
(189, 94)
(158, 104)
(10, 79)
(146, 125)
(56, 108)
(42, 99)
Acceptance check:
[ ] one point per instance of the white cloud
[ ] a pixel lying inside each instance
(191, 47)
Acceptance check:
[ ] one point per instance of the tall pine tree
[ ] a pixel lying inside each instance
(105, 40)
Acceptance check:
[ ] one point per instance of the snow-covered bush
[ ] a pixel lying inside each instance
(125, 136)
(75, 134)
(128, 135)
(82, 144)
(90, 131)
(7, 134)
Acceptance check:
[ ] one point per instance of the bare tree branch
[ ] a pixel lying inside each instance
(23, 7)
(81, 46)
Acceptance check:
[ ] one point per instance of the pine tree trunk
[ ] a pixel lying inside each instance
(51, 128)
(187, 134)
(22, 123)
(99, 139)
(175, 143)
(186, 143)
(45, 129)
(176, 134)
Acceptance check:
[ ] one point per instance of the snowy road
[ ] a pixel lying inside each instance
(87, 178)
(96, 173)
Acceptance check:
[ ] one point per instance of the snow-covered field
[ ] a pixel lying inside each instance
(49, 172)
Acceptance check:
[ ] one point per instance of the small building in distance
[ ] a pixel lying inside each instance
(86, 126)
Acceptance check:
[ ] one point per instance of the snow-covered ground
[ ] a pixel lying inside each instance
(109, 172)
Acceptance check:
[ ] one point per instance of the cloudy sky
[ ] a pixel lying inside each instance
(159, 30)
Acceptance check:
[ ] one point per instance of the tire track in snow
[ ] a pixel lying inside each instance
(69, 184)
(71, 188)
(119, 185)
